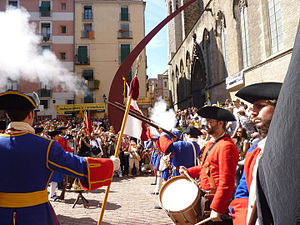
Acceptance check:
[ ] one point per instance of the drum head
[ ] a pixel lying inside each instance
(178, 193)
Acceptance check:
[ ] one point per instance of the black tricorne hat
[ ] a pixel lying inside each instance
(259, 91)
(214, 112)
(38, 130)
(54, 133)
(12, 100)
(192, 131)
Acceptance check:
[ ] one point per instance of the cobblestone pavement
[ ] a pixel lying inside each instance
(129, 202)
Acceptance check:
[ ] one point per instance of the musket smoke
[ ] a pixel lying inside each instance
(163, 117)
(21, 56)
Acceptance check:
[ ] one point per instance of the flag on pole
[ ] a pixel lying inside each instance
(87, 123)
(80, 114)
(135, 127)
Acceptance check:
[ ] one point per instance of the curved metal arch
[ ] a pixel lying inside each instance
(116, 89)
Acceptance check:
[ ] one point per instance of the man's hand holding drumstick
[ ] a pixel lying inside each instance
(214, 216)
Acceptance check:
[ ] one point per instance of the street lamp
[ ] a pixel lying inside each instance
(104, 97)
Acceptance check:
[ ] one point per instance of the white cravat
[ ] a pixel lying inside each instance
(19, 127)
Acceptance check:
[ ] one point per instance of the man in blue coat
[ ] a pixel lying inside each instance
(184, 153)
(28, 162)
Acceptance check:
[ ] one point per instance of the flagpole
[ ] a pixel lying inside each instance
(116, 155)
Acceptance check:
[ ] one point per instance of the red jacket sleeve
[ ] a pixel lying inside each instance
(99, 173)
(194, 172)
(228, 158)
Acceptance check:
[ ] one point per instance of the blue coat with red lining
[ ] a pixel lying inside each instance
(27, 163)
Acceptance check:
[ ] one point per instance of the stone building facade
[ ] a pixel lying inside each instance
(159, 87)
(233, 43)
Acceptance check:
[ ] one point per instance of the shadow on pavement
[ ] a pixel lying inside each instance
(91, 204)
(66, 220)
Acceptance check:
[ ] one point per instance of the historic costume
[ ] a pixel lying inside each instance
(184, 153)
(218, 165)
(243, 207)
(28, 162)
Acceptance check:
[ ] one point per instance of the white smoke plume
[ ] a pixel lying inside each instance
(163, 117)
(21, 56)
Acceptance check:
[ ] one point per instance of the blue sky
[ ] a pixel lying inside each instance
(156, 50)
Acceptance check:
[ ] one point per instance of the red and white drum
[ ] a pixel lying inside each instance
(180, 198)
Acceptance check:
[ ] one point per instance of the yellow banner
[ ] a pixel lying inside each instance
(143, 101)
(62, 109)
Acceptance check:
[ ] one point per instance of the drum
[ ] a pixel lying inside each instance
(181, 199)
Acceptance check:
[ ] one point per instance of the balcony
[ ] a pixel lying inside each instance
(45, 13)
(82, 60)
(44, 92)
(46, 37)
(87, 34)
(93, 84)
(124, 34)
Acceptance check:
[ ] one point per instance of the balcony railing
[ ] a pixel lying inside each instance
(82, 62)
(45, 13)
(93, 84)
(44, 93)
(87, 34)
(46, 37)
(124, 34)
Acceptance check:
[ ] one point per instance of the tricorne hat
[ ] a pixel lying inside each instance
(54, 133)
(192, 131)
(259, 91)
(12, 100)
(214, 112)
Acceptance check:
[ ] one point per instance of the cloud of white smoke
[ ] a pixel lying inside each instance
(21, 56)
(163, 117)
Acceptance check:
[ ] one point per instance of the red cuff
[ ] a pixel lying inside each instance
(163, 143)
(100, 172)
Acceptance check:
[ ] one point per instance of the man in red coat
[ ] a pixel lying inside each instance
(219, 160)
(62, 140)
(263, 96)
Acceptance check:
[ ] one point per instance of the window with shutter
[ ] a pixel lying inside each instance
(82, 57)
(125, 50)
(124, 14)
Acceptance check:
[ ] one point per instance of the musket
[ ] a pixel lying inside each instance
(141, 117)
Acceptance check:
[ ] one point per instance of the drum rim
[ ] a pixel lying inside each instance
(171, 181)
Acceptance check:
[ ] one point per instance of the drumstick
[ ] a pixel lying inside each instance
(191, 179)
(203, 221)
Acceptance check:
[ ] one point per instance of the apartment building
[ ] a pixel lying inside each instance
(105, 33)
(54, 22)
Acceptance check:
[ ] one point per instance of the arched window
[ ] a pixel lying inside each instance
(181, 67)
(244, 33)
(170, 7)
(177, 5)
(188, 64)
(206, 47)
(275, 25)
(221, 26)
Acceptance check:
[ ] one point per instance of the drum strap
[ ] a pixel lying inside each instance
(212, 147)
(195, 154)
(206, 165)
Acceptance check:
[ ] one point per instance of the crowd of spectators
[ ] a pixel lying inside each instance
(134, 157)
